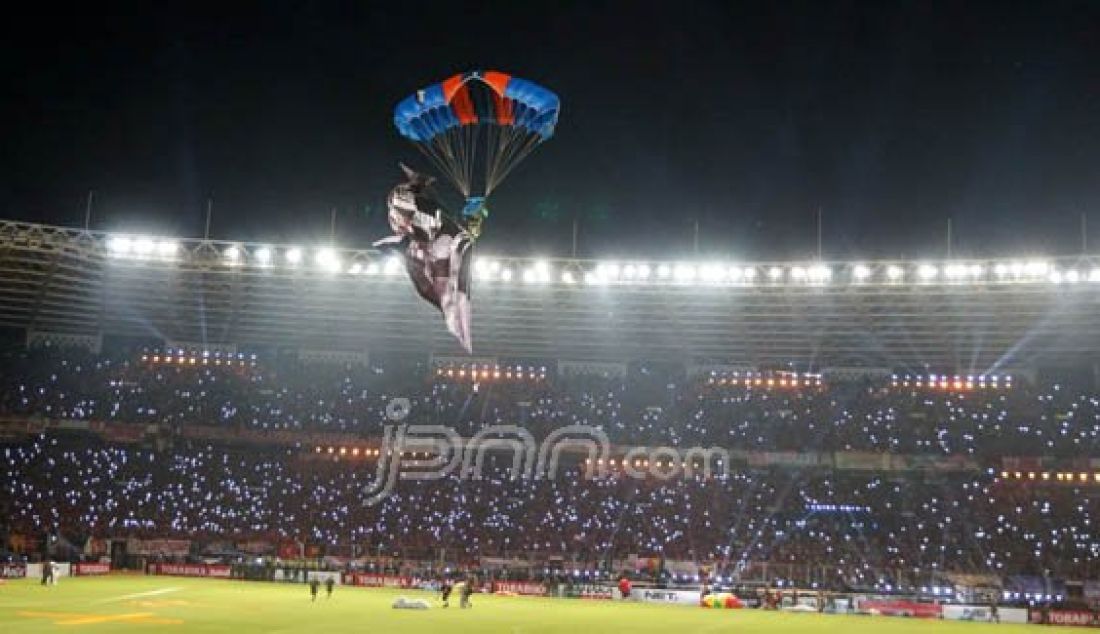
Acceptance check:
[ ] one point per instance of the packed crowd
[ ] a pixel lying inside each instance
(846, 526)
(649, 408)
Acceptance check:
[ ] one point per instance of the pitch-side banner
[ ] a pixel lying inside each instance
(671, 597)
(86, 569)
(519, 587)
(13, 571)
(899, 607)
(982, 613)
(1080, 618)
(377, 581)
(192, 570)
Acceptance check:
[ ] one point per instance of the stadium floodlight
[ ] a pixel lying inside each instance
(168, 248)
(894, 272)
(954, 271)
(927, 272)
(798, 273)
(1017, 268)
(327, 259)
(1072, 276)
(373, 268)
(567, 277)
(643, 271)
(506, 274)
(608, 271)
(293, 256)
(355, 269)
(393, 265)
(232, 254)
(735, 273)
(629, 271)
(542, 271)
(1000, 270)
(664, 271)
(1094, 275)
(1037, 268)
(861, 272)
(1055, 277)
(144, 246)
(775, 273)
(712, 273)
(119, 245)
(750, 273)
(590, 277)
(975, 270)
(529, 276)
(820, 273)
(684, 273)
(262, 255)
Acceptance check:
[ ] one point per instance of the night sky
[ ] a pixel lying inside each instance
(747, 118)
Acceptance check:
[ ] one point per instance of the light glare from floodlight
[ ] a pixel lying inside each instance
(293, 255)
(393, 265)
(232, 254)
(927, 272)
(1037, 268)
(262, 255)
(664, 271)
(567, 277)
(684, 273)
(355, 268)
(861, 272)
(712, 272)
(895, 272)
(506, 275)
(119, 245)
(167, 248)
(327, 259)
(144, 246)
(820, 273)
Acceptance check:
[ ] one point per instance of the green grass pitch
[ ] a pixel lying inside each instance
(124, 603)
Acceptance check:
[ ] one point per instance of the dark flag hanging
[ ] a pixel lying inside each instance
(436, 250)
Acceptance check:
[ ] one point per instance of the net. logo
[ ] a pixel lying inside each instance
(436, 452)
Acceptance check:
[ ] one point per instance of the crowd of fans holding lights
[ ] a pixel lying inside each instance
(828, 527)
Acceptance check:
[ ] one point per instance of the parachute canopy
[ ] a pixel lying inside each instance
(477, 126)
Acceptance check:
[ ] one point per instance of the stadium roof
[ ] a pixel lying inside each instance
(972, 315)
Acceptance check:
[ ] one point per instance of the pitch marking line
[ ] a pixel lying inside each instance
(140, 595)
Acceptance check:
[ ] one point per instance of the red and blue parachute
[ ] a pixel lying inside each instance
(477, 126)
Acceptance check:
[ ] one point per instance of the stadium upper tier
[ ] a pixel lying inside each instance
(972, 315)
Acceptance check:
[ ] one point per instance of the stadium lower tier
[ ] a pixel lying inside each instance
(832, 527)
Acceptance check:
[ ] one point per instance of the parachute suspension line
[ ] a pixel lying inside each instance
(498, 140)
(472, 138)
(516, 152)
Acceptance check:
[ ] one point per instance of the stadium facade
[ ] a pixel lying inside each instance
(966, 316)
